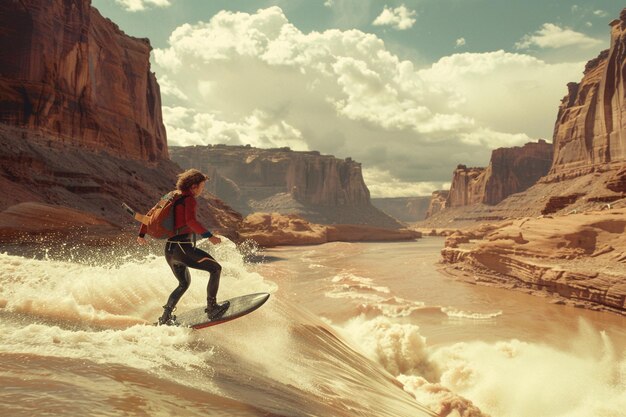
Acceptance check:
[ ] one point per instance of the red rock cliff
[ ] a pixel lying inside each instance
(321, 188)
(590, 130)
(512, 170)
(437, 202)
(70, 73)
(80, 125)
(468, 186)
(309, 177)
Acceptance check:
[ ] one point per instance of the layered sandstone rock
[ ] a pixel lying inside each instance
(590, 131)
(580, 257)
(274, 229)
(437, 202)
(468, 186)
(512, 170)
(36, 168)
(320, 188)
(70, 73)
(29, 221)
(80, 120)
(617, 183)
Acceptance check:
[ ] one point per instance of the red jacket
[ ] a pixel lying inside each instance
(185, 218)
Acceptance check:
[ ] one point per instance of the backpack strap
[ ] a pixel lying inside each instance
(178, 202)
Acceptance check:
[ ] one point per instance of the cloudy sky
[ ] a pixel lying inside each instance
(408, 88)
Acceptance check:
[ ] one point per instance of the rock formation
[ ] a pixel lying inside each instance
(437, 202)
(590, 130)
(617, 183)
(580, 258)
(512, 170)
(320, 188)
(589, 154)
(37, 169)
(70, 73)
(80, 120)
(468, 186)
(28, 221)
(274, 229)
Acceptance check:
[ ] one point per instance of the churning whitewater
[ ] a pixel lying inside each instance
(350, 330)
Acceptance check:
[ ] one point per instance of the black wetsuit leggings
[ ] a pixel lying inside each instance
(182, 254)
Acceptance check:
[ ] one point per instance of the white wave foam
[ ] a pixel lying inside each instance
(459, 314)
(116, 296)
(520, 379)
(507, 379)
(374, 298)
(51, 307)
(356, 283)
(438, 398)
(398, 347)
(403, 352)
(393, 307)
(143, 347)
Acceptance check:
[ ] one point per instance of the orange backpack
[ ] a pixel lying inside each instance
(160, 220)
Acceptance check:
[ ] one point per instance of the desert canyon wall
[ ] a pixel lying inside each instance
(564, 236)
(590, 130)
(69, 72)
(510, 171)
(80, 121)
(320, 188)
(438, 201)
(513, 170)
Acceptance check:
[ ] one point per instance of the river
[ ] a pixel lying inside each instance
(351, 329)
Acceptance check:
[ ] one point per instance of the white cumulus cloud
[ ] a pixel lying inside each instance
(460, 42)
(255, 78)
(554, 36)
(399, 18)
(383, 184)
(138, 5)
(257, 129)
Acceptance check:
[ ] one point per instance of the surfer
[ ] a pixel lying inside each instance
(181, 252)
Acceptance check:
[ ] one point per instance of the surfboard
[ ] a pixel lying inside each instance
(239, 307)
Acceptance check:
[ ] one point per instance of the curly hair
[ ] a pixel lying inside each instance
(189, 178)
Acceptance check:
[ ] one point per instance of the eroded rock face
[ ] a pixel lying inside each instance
(320, 188)
(590, 130)
(512, 170)
(468, 186)
(437, 203)
(30, 220)
(68, 72)
(80, 123)
(579, 257)
(618, 182)
(275, 229)
(35, 168)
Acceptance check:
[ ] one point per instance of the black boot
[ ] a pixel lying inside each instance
(167, 318)
(215, 310)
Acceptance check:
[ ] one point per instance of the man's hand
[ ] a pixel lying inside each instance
(142, 240)
(215, 240)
